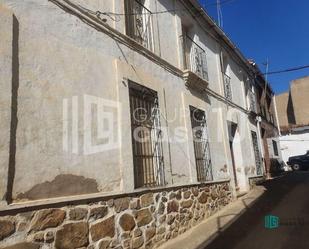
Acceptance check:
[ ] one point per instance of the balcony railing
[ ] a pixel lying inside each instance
(195, 58)
(139, 23)
(227, 87)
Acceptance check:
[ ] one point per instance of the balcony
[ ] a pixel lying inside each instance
(139, 24)
(227, 87)
(196, 72)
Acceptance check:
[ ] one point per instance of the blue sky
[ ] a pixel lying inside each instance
(274, 29)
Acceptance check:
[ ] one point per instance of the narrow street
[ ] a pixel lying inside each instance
(287, 197)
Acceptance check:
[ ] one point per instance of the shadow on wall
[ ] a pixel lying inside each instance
(240, 234)
(14, 108)
(290, 110)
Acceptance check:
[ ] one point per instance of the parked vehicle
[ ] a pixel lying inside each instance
(299, 162)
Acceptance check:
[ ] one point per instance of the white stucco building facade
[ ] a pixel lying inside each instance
(73, 74)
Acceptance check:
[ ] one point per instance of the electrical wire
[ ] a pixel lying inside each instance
(288, 70)
(109, 14)
(98, 14)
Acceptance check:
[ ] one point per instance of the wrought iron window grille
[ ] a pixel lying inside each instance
(201, 145)
(146, 137)
(139, 23)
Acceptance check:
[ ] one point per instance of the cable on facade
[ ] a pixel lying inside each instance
(99, 15)
(110, 14)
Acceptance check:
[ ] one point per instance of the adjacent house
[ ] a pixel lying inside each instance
(293, 117)
(267, 123)
(123, 123)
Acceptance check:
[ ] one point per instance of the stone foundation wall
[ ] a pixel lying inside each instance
(140, 221)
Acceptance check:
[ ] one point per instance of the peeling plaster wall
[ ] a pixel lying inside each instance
(59, 59)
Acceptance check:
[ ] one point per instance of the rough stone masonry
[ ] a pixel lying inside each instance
(140, 221)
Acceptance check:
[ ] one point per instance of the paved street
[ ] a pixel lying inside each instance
(286, 197)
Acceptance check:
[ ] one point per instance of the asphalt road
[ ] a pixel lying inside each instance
(287, 197)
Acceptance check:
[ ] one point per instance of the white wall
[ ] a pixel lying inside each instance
(293, 145)
(61, 57)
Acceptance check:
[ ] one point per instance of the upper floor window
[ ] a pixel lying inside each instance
(251, 97)
(146, 137)
(275, 147)
(226, 77)
(201, 145)
(252, 101)
(257, 155)
(249, 94)
(139, 22)
(195, 58)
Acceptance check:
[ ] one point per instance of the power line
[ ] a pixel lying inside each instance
(113, 16)
(109, 14)
(288, 70)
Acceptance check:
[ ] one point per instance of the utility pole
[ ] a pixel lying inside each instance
(277, 117)
(267, 159)
(219, 14)
(267, 69)
(204, 4)
(274, 99)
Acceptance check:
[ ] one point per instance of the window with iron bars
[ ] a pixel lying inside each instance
(227, 87)
(258, 160)
(195, 58)
(226, 78)
(139, 23)
(252, 101)
(146, 137)
(275, 146)
(201, 145)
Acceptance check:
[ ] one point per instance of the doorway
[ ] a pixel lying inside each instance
(232, 128)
